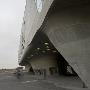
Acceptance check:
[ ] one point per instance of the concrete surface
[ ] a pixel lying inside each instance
(10, 82)
(32, 82)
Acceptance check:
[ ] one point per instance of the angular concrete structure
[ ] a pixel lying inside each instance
(57, 27)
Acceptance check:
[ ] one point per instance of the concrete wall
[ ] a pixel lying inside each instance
(32, 21)
(69, 31)
(44, 63)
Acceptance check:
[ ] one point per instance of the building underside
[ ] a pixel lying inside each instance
(62, 41)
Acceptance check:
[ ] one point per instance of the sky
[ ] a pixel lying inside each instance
(11, 18)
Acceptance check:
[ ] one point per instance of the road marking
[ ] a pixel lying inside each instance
(29, 81)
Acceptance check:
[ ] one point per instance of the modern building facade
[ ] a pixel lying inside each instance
(55, 36)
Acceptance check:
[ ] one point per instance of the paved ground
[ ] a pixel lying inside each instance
(10, 82)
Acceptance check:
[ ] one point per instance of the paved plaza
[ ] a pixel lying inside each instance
(28, 82)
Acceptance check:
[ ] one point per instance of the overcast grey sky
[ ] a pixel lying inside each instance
(11, 17)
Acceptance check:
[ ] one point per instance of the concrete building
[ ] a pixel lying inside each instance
(55, 37)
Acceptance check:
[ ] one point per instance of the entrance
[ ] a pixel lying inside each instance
(64, 68)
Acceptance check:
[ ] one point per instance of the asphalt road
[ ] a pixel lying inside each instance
(10, 82)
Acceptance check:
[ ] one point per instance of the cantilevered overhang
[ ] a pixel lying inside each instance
(39, 47)
(40, 38)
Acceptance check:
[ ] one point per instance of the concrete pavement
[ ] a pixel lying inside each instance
(30, 82)
(10, 82)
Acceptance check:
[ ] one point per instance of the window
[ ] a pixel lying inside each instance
(39, 5)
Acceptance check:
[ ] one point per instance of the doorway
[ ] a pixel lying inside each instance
(64, 68)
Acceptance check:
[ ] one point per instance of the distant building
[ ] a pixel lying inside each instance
(7, 71)
(55, 38)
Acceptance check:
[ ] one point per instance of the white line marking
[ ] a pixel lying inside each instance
(29, 81)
